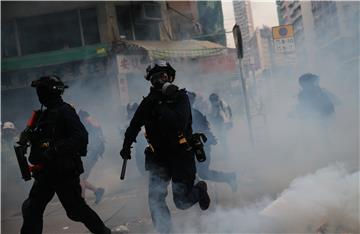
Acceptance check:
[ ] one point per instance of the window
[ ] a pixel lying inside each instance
(124, 20)
(136, 22)
(152, 11)
(49, 32)
(149, 31)
(90, 26)
(8, 39)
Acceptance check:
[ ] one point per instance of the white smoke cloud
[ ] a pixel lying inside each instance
(329, 197)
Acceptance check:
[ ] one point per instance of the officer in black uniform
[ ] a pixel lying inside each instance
(314, 102)
(166, 114)
(201, 124)
(57, 142)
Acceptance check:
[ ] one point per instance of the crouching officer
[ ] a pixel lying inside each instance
(58, 139)
(166, 114)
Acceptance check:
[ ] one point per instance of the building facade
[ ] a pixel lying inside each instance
(298, 14)
(322, 29)
(33, 27)
(260, 45)
(93, 45)
(244, 18)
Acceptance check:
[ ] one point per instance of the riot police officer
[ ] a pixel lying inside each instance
(166, 114)
(314, 102)
(201, 124)
(57, 142)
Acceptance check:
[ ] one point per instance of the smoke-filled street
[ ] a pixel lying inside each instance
(180, 117)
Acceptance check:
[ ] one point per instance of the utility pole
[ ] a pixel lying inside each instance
(240, 54)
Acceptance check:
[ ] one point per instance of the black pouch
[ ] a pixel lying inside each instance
(197, 143)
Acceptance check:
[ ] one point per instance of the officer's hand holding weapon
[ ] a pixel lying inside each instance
(27, 137)
(20, 151)
(125, 153)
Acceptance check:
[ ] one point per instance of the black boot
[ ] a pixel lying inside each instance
(204, 201)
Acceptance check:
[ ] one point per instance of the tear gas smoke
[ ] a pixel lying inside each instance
(330, 195)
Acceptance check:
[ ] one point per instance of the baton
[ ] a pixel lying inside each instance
(123, 169)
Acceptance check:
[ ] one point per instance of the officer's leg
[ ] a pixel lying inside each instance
(203, 167)
(159, 179)
(206, 173)
(69, 193)
(185, 194)
(33, 207)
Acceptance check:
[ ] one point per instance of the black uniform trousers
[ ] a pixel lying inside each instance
(181, 170)
(68, 191)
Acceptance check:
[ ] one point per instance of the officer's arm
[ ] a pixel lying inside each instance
(136, 123)
(78, 136)
(178, 117)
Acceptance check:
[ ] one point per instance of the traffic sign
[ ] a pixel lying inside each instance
(284, 45)
(282, 31)
(283, 37)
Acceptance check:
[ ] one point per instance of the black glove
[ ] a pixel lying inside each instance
(125, 152)
(169, 90)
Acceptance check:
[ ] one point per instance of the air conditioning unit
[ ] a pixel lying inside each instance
(151, 11)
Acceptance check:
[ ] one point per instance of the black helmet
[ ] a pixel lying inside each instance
(48, 88)
(308, 79)
(160, 66)
(214, 97)
(52, 84)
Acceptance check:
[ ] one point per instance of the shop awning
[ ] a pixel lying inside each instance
(155, 50)
(178, 49)
(54, 57)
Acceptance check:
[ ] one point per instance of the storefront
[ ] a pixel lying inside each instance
(105, 78)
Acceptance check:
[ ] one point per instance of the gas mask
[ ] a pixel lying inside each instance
(159, 79)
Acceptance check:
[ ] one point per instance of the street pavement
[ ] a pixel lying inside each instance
(125, 210)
